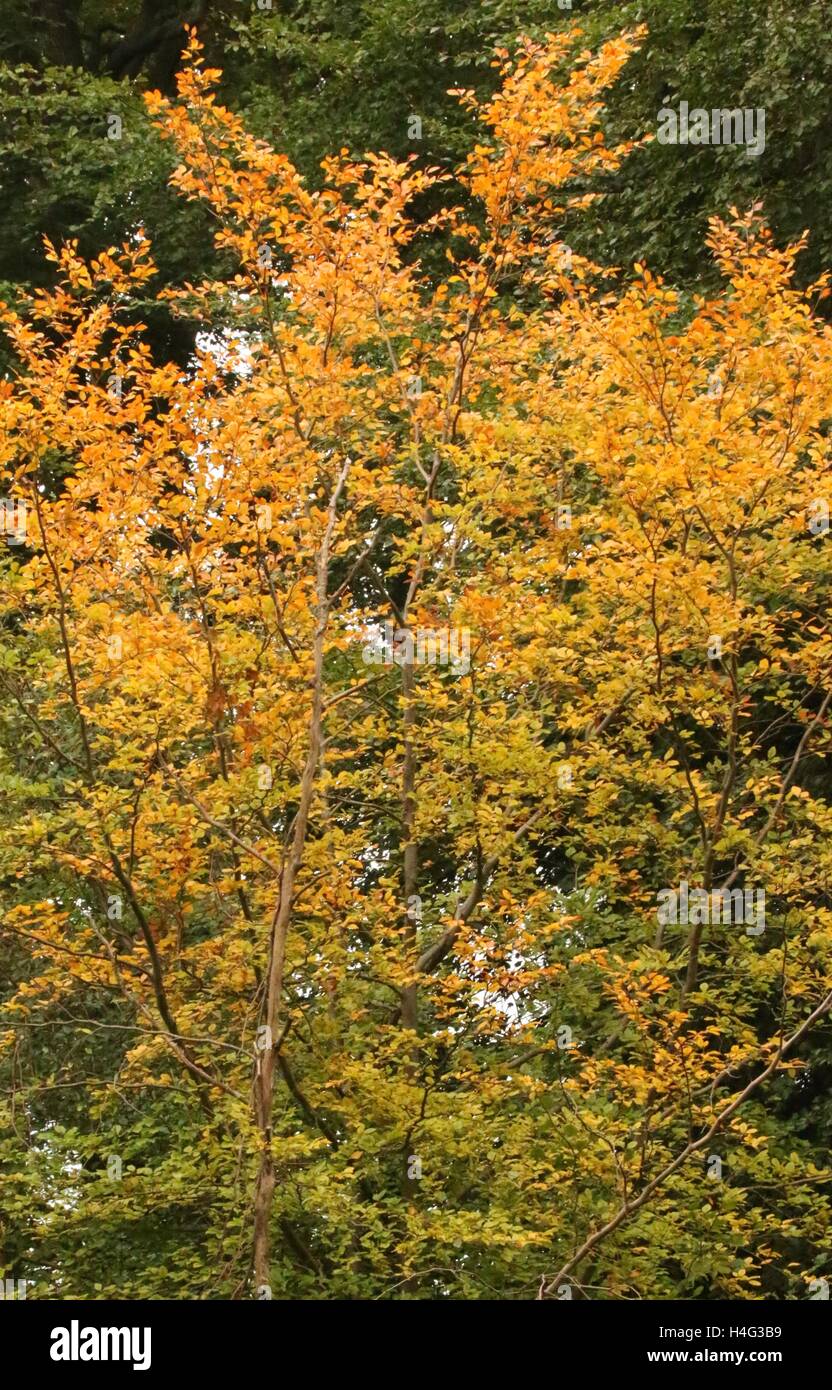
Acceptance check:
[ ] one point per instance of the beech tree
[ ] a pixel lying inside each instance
(365, 685)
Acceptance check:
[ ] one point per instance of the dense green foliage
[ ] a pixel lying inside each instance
(312, 76)
(128, 1035)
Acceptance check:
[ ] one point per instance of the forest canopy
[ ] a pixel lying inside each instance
(414, 659)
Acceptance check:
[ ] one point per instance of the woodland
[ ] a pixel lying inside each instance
(415, 654)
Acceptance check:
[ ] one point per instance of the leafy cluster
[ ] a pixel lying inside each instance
(339, 975)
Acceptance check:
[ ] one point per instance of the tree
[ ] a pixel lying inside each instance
(368, 685)
(715, 55)
(313, 76)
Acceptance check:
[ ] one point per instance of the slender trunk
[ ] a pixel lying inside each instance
(264, 1083)
(264, 1077)
(409, 1015)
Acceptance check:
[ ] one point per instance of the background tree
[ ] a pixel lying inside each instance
(339, 975)
(313, 76)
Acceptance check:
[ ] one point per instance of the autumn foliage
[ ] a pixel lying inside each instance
(355, 965)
